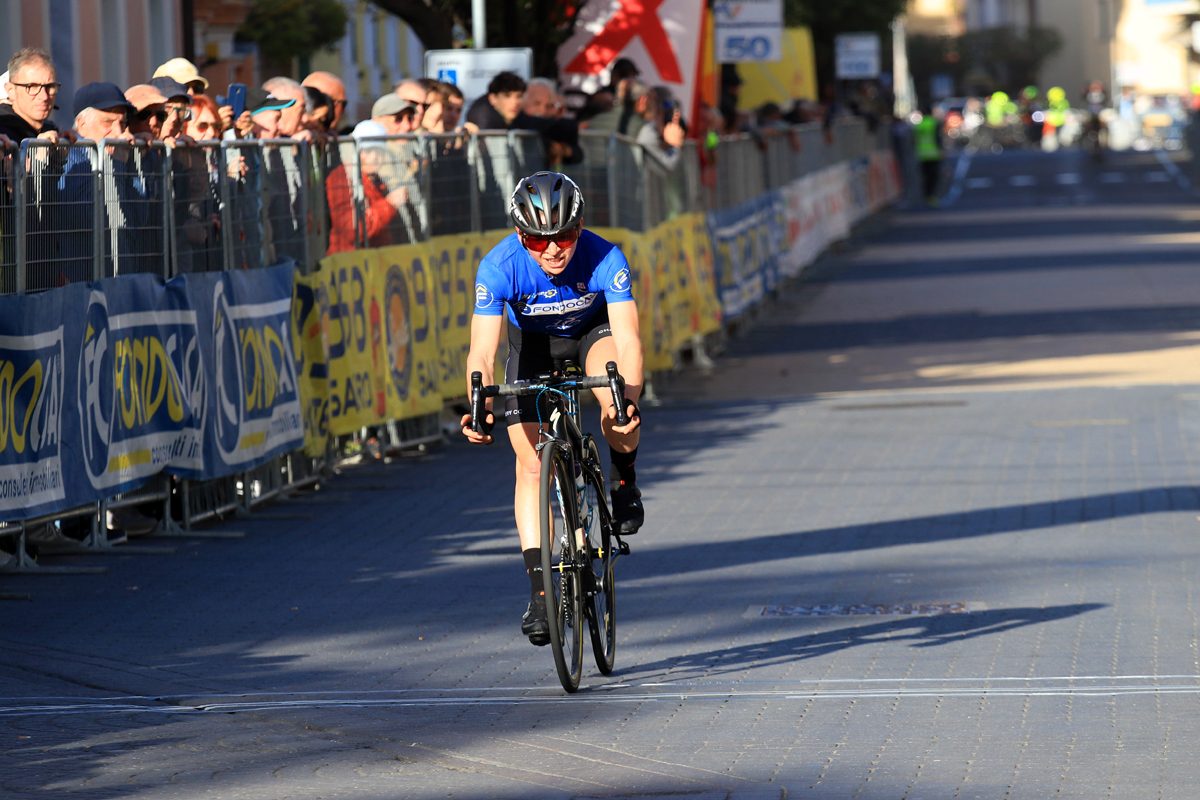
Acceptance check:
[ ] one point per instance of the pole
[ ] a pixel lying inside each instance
(479, 24)
(900, 79)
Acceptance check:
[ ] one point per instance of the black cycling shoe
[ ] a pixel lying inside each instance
(628, 514)
(534, 624)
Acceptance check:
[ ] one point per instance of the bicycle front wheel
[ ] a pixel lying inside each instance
(561, 576)
(600, 602)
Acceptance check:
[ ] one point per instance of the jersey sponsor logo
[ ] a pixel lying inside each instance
(549, 293)
(620, 281)
(582, 287)
(483, 297)
(562, 307)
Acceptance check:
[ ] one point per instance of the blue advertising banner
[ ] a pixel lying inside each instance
(195, 377)
(748, 240)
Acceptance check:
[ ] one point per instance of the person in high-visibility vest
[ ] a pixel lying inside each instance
(996, 108)
(927, 140)
(1057, 106)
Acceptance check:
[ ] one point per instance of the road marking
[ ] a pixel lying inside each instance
(861, 610)
(1112, 177)
(978, 183)
(650, 692)
(1067, 178)
(1076, 423)
(1174, 172)
(1157, 177)
(1022, 180)
(956, 186)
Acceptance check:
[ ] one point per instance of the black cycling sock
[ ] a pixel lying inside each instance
(533, 558)
(622, 467)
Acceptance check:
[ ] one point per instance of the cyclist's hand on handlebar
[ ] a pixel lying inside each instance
(635, 417)
(479, 438)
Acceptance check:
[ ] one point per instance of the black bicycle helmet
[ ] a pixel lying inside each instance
(546, 203)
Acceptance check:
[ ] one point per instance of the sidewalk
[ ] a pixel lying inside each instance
(1014, 435)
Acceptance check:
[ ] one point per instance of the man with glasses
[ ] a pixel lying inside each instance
(177, 105)
(417, 95)
(31, 87)
(568, 295)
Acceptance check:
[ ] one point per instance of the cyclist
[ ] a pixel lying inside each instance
(568, 294)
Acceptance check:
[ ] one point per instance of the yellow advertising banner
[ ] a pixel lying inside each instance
(384, 334)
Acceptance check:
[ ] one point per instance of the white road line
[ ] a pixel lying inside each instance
(1022, 180)
(1112, 177)
(956, 186)
(1174, 171)
(618, 693)
(1067, 178)
(978, 183)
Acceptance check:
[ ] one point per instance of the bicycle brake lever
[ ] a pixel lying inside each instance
(617, 384)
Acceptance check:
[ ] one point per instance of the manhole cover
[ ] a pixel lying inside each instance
(862, 610)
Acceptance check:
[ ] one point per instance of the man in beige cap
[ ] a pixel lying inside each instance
(185, 72)
(331, 85)
(151, 110)
(395, 115)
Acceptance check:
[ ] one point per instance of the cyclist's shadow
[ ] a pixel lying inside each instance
(928, 631)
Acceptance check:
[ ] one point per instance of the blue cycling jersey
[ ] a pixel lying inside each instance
(561, 305)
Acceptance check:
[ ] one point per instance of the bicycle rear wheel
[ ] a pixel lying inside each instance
(561, 574)
(600, 601)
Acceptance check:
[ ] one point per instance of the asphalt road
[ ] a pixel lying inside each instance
(992, 406)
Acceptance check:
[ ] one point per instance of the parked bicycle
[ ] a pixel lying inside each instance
(579, 547)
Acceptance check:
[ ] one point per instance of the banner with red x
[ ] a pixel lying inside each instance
(662, 37)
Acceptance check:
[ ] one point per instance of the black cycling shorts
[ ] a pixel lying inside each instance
(532, 354)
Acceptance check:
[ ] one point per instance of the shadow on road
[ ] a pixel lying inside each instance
(932, 631)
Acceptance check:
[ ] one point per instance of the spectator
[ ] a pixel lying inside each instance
(31, 87)
(621, 70)
(415, 93)
(434, 119)
(627, 115)
(394, 116)
(318, 109)
(659, 135)
(381, 207)
(178, 105)
(333, 87)
(100, 112)
(185, 72)
(497, 109)
(541, 99)
(205, 123)
(3, 80)
(150, 110)
(452, 112)
(291, 116)
(265, 110)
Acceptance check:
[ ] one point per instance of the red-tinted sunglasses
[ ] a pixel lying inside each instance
(538, 244)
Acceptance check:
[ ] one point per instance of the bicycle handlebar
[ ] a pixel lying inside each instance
(612, 380)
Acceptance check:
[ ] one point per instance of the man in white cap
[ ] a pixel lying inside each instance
(185, 72)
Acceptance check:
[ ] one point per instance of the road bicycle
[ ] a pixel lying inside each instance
(579, 546)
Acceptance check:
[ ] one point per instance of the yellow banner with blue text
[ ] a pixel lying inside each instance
(384, 334)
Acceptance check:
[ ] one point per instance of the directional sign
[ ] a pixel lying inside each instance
(748, 30)
(856, 56)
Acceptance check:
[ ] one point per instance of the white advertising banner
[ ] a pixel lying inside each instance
(748, 30)
(856, 56)
(662, 37)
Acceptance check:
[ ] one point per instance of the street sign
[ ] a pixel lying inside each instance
(472, 70)
(856, 56)
(748, 30)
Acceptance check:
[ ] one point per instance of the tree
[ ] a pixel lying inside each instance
(541, 25)
(287, 29)
(827, 18)
(983, 61)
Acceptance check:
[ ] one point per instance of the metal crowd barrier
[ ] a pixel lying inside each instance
(85, 211)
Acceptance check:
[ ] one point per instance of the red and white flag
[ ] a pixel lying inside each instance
(662, 37)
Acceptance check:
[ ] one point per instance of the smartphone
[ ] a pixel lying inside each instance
(237, 98)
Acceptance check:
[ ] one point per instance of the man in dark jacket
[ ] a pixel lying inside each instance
(32, 86)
